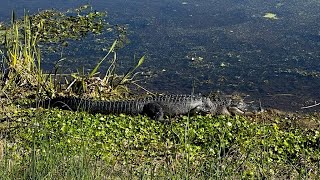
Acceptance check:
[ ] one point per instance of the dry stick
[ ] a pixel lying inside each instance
(314, 105)
(143, 88)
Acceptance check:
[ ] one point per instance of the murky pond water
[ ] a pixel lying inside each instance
(269, 50)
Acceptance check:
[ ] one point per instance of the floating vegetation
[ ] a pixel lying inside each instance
(194, 57)
(223, 64)
(59, 26)
(280, 4)
(270, 16)
(53, 26)
(302, 72)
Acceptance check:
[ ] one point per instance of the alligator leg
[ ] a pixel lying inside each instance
(222, 111)
(154, 111)
(197, 110)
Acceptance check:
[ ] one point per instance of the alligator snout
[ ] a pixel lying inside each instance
(235, 111)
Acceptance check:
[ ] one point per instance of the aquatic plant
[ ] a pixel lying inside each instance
(60, 26)
(22, 55)
(110, 85)
(22, 58)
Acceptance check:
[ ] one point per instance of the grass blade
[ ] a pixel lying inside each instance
(128, 74)
(104, 58)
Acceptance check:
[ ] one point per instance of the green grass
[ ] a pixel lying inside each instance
(55, 144)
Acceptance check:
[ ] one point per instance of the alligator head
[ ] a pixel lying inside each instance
(228, 105)
(237, 106)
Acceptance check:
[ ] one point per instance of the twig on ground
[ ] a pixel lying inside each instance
(311, 106)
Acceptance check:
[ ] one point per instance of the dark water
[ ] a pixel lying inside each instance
(209, 45)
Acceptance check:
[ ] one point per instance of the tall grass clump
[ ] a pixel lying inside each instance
(22, 75)
(109, 85)
(22, 59)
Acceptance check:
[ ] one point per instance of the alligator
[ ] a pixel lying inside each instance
(157, 107)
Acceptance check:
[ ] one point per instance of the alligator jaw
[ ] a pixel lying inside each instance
(235, 111)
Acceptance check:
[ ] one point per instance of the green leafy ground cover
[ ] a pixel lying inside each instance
(55, 144)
